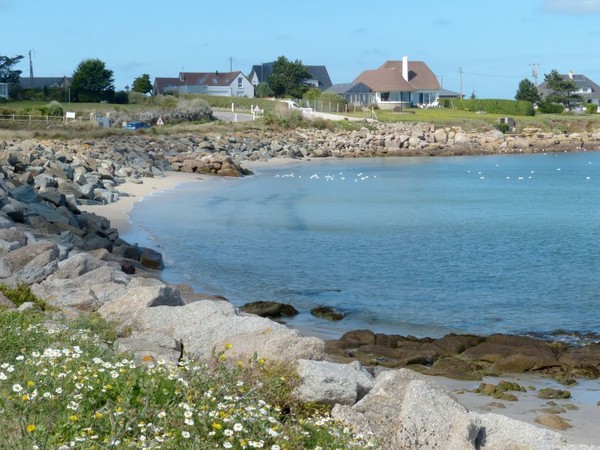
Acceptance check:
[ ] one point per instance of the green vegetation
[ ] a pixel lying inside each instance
(288, 78)
(22, 294)
(92, 82)
(562, 89)
(494, 106)
(528, 92)
(61, 384)
(142, 84)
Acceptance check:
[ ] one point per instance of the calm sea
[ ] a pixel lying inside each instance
(420, 246)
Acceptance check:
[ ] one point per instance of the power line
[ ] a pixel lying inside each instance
(492, 76)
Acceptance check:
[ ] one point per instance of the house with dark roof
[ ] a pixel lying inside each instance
(355, 94)
(319, 75)
(228, 84)
(41, 83)
(402, 83)
(587, 89)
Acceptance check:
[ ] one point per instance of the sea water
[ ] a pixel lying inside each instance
(410, 246)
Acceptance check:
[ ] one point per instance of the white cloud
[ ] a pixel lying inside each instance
(573, 6)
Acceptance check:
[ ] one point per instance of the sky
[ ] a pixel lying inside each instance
(473, 46)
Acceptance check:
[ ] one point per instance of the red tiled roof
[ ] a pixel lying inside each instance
(388, 77)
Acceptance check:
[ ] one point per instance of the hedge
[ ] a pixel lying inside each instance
(495, 106)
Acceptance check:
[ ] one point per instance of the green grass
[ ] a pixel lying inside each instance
(61, 384)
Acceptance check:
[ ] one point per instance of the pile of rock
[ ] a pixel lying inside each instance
(468, 357)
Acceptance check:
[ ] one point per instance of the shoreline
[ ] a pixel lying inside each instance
(583, 415)
(118, 212)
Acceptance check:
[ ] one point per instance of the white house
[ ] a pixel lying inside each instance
(402, 83)
(4, 91)
(228, 84)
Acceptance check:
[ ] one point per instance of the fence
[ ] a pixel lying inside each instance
(41, 120)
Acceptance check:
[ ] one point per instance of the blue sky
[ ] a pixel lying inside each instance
(495, 43)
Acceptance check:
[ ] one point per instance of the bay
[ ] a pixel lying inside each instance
(411, 246)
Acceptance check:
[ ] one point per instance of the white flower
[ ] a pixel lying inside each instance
(185, 434)
(20, 358)
(275, 447)
(187, 414)
(227, 445)
(3, 376)
(189, 422)
(17, 387)
(228, 432)
(238, 427)
(162, 415)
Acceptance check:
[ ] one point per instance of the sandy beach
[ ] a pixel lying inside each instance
(582, 411)
(118, 212)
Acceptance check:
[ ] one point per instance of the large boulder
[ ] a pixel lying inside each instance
(332, 383)
(206, 327)
(30, 263)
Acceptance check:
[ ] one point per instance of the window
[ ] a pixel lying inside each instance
(240, 82)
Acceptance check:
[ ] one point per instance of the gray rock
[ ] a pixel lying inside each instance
(33, 256)
(140, 297)
(332, 383)
(25, 194)
(151, 347)
(5, 302)
(206, 326)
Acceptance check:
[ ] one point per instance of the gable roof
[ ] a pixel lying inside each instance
(348, 88)
(319, 73)
(388, 77)
(44, 82)
(209, 78)
(582, 82)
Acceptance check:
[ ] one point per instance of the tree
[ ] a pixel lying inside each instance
(92, 81)
(288, 78)
(142, 84)
(263, 90)
(561, 89)
(7, 74)
(528, 92)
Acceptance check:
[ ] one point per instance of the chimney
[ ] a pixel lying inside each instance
(405, 68)
(571, 74)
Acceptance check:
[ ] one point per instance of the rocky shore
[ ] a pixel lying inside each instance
(76, 261)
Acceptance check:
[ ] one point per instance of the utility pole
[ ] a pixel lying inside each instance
(30, 71)
(231, 63)
(461, 90)
(534, 72)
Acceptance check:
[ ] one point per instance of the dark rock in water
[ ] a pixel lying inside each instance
(550, 393)
(269, 309)
(327, 313)
(151, 259)
(359, 337)
(127, 251)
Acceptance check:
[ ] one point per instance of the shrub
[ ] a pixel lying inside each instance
(547, 107)
(53, 109)
(137, 98)
(121, 98)
(496, 106)
(503, 127)
(591, 108)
